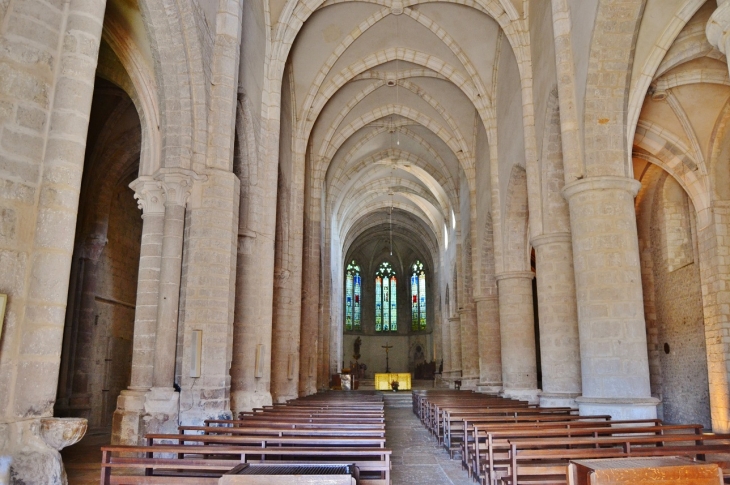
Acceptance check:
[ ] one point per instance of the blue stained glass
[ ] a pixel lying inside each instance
(352, 297)
(378, 304)
(393, 307)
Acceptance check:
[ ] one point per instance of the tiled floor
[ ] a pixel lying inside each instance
(417, 458)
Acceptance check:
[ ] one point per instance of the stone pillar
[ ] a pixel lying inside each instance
(207, 297)
(127, 423)
(718, 28)
(55, 81)
(614, 361)
(84, 368)
(446, 346)
(310, 309)
(490, 345)
(469, 347)
(455, 338)
(161, 401)
(559, 339)
(517, 329)
(715, 277)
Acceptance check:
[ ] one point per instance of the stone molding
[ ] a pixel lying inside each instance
(718, 27)
(514, 275)
(477, 299)
(456, 319)
(558, 237)
(149, 195)
(601, 183)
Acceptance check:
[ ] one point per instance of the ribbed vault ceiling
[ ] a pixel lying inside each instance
(388, 99)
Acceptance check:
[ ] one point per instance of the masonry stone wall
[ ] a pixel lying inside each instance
(116, 292)
(678, 301)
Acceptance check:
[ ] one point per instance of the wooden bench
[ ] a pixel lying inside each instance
(268, 441)
(471, 424)
(494, 451)
(202, 464)
(279, 431)
(453, 418)
(545, 460)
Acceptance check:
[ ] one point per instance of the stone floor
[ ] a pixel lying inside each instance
(417, 458)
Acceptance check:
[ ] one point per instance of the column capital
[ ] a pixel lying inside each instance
(177, 184)
(718, 27)
(630, 185)
(515, 274)
(149, 194)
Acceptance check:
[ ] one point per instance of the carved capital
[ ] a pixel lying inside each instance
(718, 27)
(149, 194)
(178, 185)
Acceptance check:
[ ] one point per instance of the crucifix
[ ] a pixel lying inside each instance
(387, 363)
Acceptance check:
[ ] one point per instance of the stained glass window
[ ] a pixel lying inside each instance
(353, 295)
(418, 297)
(386, 301)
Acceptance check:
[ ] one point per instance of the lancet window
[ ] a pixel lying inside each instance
(418, 297)
(353, 297)
(386, 308)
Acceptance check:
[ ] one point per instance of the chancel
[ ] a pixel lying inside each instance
(207, 205)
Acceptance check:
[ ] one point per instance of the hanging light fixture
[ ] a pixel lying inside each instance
(390, 216)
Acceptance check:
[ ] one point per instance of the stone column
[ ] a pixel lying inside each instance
(127, 423)
(455, 337)
(162, 401)
(84, 368)
(490, 345)
(55, 80)
(446, 346)
(517, 329)
(469, 347)
(310, 309)
(718, 28)
(559, 340)
(614, 361)
(714, 272)
(715, 277)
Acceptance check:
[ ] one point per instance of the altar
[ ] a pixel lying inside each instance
(382, 381)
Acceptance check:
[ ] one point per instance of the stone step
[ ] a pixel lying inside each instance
(400, 399)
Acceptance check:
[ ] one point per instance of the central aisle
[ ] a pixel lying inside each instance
(417, 458)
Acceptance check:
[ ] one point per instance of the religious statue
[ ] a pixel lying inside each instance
(356, 345)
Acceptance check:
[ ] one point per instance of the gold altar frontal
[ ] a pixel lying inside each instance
(382, 381)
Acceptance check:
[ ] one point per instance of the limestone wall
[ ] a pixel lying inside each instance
(678, 302)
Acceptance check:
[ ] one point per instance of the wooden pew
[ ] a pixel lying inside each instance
(205, 464)
(545, 460)
(282, 431)
(483, 424)
(494, 452)
(268, 441)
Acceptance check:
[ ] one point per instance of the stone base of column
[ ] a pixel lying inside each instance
(127, 422)
(29, 452)
(247, 400)
(558, 400)
(530, 395)
(284, 398)
(197, 405)
(162, 408)
(619, 408)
